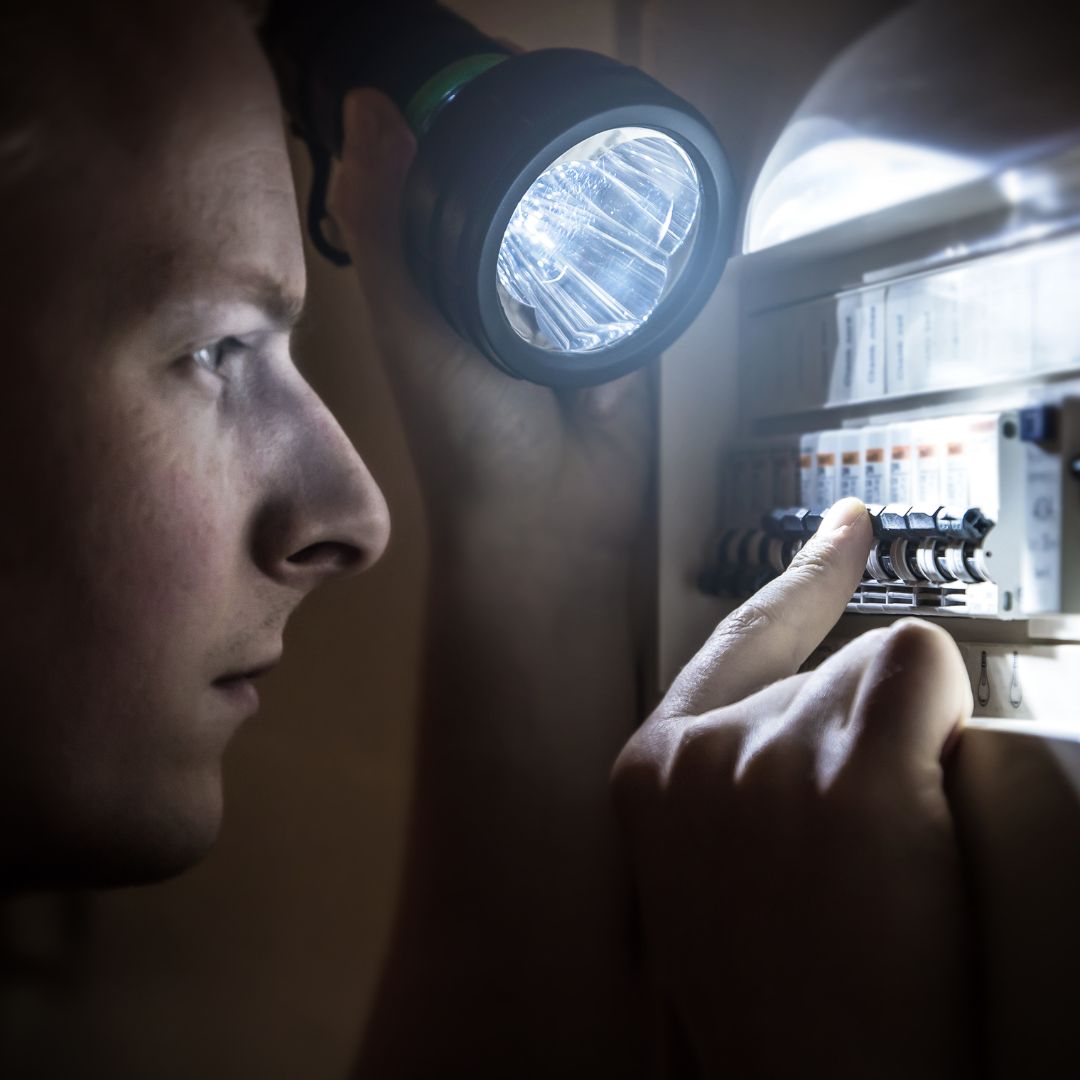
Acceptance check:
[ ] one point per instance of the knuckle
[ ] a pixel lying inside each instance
(637, 775)
(692, 744)
(670, 768)
(810, 561)
(750, 618)
(913, 644)
(761, 619)
(706, 758)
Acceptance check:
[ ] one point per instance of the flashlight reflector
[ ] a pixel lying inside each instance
(598, 240)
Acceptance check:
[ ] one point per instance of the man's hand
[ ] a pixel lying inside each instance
(799, 880)
(505, 454)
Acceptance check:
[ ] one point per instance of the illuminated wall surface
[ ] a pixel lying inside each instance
(842, 175)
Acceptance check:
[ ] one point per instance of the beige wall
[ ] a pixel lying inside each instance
(261, 962)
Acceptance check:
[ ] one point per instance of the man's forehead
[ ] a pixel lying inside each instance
(196, 200)
(221, 219)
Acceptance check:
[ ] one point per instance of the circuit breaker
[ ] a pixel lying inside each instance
(926, 359)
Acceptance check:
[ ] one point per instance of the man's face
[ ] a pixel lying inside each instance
(173, 487)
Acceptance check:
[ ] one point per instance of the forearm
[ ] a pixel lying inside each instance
(512, 947)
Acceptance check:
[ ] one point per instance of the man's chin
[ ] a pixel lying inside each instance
(151, 848)
(149, 864)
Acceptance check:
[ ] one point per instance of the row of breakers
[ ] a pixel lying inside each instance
(1014, 464)
(933, 558)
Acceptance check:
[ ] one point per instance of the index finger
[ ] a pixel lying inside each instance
(770, 636)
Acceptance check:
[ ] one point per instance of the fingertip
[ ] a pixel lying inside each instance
(848, 522)
(835, 556)
(845, 532)
(843, 514)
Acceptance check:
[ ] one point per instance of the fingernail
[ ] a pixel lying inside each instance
(842, 514)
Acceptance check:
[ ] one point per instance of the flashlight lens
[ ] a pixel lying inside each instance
(598, 240)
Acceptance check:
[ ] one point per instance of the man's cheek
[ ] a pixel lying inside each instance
(171, 538)
(190, 542)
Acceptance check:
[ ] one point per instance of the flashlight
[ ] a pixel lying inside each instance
(567, 214)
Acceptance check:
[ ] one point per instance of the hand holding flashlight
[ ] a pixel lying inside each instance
(566, 468)
(799, 879)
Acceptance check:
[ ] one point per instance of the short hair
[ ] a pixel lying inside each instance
(74, 73)
(81, 90)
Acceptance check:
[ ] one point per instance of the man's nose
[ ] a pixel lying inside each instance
(323, 516)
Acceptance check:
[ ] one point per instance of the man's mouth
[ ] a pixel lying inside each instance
(239, 686)
(251, 673)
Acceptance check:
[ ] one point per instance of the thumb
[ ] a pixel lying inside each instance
(770, 636)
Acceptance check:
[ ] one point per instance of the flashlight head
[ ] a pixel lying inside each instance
(569, 215)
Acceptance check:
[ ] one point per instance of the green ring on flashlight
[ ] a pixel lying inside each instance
(441, 88)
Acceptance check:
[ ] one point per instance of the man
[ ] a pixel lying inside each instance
(176, 489)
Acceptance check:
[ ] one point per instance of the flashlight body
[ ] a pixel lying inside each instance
(321, 49)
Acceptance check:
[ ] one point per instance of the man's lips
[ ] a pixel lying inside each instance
(250, 673)
(239, 686)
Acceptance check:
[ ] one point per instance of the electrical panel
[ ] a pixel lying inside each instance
(926, 359)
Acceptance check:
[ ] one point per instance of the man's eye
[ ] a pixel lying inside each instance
(214, 357)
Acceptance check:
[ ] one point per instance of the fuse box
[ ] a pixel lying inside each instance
(926, 359)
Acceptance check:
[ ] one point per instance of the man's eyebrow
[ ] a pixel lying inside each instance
(282, 304)
(160, 277)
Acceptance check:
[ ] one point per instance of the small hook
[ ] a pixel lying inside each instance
(983, 693)
(1016, 691)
